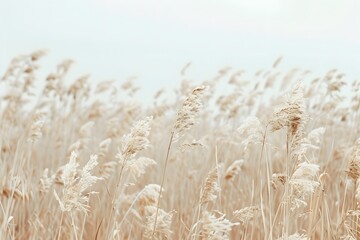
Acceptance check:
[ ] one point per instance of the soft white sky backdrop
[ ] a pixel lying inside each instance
(153, 40)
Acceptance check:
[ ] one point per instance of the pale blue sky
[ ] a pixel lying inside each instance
(153, 40)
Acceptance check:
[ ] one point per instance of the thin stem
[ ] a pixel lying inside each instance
(117, 190)
(129, 209)
(218, 178)
(268, 181)
(119, 179)
(83, 227)
(162, 182)
(286, 207)
(195, 225)
(73, 225)
(61, 220)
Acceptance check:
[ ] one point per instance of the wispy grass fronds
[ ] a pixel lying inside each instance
(251, 132)
(163, 223)
(104, 146)
(75, 183)
(149, 196)
(294, 236)
(303, 184)
(244, 215)
(46, 181)
(136, 167)
(215, 228)
(279, 179)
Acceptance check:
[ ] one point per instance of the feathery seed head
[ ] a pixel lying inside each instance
(292, 113)
(244, 215)
(354, 166)
(277, 179)
(136, 140)
(189, 110)
(234, 169)
(46, 181)
(210, 188)
(38, 54)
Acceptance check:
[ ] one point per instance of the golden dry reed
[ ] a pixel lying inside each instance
(274, 156)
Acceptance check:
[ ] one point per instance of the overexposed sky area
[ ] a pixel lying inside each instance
(153, 40)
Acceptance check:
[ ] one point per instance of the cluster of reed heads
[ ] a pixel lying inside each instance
(275, 157)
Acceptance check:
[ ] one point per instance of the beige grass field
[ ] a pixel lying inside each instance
(276, 157)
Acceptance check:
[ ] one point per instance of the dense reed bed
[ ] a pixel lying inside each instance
(275, 157)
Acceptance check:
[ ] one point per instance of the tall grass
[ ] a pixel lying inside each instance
(275, 157)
